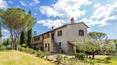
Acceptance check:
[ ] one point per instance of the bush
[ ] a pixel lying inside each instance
(8, 47)
(40, 53)
(108, 58)
(27, 50)
(24, 45)
(3, 47)
(31, 51)
(80, 56)
(59, 59)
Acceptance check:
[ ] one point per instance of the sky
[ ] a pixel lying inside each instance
(99, 15)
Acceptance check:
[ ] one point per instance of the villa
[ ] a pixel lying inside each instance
(62, 39)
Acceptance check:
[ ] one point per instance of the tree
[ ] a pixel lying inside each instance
(115, 41)
(29, 35)
(1, 11)
(6, 42)
(22, 38)
(0, 31)
(16, 20)
(88, 45)
(97, 35)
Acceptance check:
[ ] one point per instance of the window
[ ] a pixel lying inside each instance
(35, 39)
(45, 45)
(48, 47)
(81, 33)
(46, 35)
(59, 43)
(38, 38)
(59, 33)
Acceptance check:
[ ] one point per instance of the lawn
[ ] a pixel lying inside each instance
(101, 60)
(20, 58)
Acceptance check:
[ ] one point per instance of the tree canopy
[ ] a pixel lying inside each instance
(98, 35)
(16, 20)
(89, 45)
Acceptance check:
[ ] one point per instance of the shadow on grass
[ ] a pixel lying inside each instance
(106, 60)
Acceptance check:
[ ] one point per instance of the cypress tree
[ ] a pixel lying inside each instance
(29, 37)
(22, 38)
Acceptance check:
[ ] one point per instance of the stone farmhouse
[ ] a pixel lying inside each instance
(62, 39)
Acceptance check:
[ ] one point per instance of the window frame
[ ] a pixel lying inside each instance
(59, 44)
(59, 33)
(46, 45)
(81, 32)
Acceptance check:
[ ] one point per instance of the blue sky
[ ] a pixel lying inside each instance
(99, 15)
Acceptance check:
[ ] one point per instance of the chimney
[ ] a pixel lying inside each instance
(72, 20)
(52, 27)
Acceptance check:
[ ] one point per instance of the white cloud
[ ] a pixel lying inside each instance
(104, 14)
(65, 8)
(51, 23)
(97, 5)
(36, 1)
(91, 22)
(22, 3)
(49, 11)
(32, 3)
(3, 4)
(4, 30)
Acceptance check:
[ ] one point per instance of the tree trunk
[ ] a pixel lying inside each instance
(93, 55)
(12, 41)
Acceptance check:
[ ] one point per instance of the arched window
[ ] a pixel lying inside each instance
(81, 33)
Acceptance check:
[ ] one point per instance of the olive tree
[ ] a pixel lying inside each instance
(89, 45)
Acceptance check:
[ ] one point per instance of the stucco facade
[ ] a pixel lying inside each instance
(63, 38)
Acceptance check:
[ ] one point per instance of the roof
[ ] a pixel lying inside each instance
(62, 27)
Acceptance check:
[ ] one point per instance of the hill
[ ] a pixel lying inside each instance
(20, 58)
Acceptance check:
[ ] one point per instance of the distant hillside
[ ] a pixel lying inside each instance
(20, 58)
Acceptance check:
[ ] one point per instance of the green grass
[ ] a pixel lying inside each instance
(20, 58)
(101, 60)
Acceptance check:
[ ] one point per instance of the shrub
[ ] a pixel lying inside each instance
(80, 56)
(31, 51)
(27, 50)
(24, 45)
(59, 59)
(9, 47)
(108, 58)
(3, 47)
(40, 53)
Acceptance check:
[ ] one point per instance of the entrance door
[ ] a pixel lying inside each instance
(71, 49)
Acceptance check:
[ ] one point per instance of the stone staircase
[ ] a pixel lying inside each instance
(58, 49)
